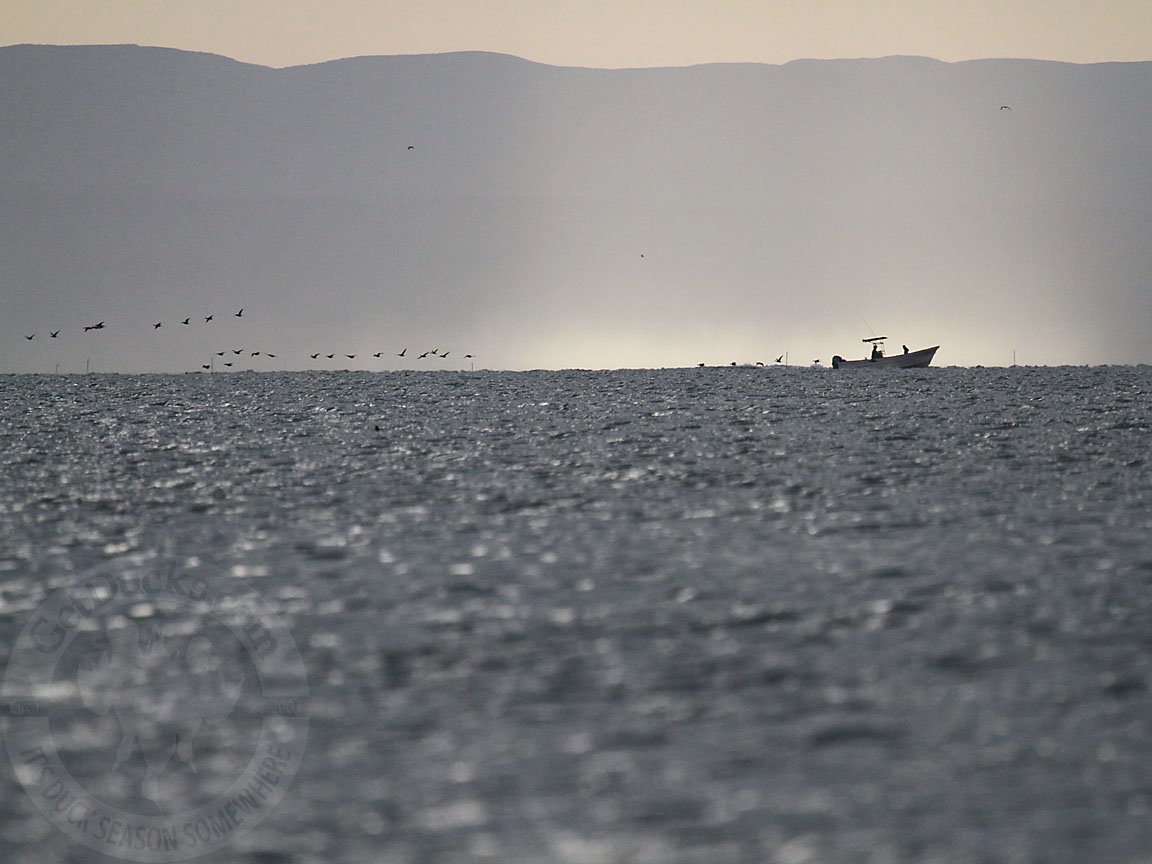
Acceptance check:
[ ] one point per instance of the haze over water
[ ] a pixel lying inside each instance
(717, 615)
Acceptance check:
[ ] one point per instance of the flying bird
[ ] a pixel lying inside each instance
(157, 325)
(221, 353)
(378, 353)
(780, 359)
(53, 334)
(314, 356)
(30, 338)
(329, 356)
(205, 366)
(255, 353)
(186, 321)
(467, 356)
(99, 326)
(350, 356)
(227, 364)
(410, 147)
(421, 357)
(273, 356)
(402, 353)
(208, 318)
(1005, 107)
(445, 354)
(237, 350)
(240, 314)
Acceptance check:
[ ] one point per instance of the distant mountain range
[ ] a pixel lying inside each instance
(545, 216)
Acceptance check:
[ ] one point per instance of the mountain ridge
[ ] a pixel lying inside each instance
(488, 195)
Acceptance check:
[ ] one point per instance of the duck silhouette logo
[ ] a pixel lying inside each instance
(154, 711)
(188, 687)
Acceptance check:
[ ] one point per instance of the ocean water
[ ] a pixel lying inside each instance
(708, 615)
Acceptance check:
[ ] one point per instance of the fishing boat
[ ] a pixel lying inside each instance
(906, 360)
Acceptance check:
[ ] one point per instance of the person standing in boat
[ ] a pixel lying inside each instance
(905, 347)
(876, 352)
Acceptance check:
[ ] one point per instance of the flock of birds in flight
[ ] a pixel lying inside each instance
(208, 319)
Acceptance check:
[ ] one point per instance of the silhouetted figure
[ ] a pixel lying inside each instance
(273, 356)
(422, 356)
(208, 318)
(221, 353)
(402, 353)
(350, 356)
(377, 354)
(240, 314)
(1005, 107)
(30, 338)
(157, 325)
(205, 366)
(467, 356)
(905, 347)
(227, 364)
(255, 354)
(99, 326)
(444, 356)
(876, 352)
(314, 356)
(53, 334)
(329, 356)
(780, 359)
(758, 363)
(186, 321)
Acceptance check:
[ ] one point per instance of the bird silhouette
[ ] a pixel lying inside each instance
(255, 353)
(30, 338)
(780, 359)
(378, 353)
(273, 356)
(186, 321)
(1005, 107)
(314, 356)
(350, 356)
(208, 318)
(402, 353)
(410, 147)
(445, 355)
(157, 325)
(240, 314)
(53, 334)
(436, 351)
(467, 356)
(329, 356)
(421, 357)
(237, 350)
(227, 364)
(99, 326)
(205, 366)
(221, 353)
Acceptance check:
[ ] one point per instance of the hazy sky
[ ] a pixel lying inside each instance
(609, 33)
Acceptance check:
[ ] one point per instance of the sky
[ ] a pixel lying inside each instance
(599, 33)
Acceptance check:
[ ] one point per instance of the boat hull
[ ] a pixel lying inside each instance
(921, 359)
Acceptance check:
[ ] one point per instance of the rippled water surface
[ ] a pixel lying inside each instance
(716, 615)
